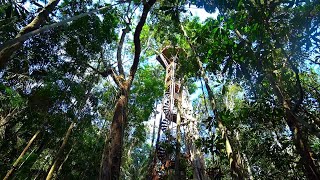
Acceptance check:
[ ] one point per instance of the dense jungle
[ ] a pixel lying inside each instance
(160, 89)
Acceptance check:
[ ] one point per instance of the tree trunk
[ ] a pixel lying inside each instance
(65, 159)
(250, 176)
(111, 158)
(235, 163)
(60, 152)
(15, 164)
(196, 156)
(299, 141)
(43, 15)
(178, 141)
(153, 153)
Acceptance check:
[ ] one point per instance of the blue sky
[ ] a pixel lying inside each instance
(201, 13)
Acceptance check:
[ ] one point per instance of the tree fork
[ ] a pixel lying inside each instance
(111, 158)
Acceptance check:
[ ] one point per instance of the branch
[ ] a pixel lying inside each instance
(136, 39)
(109, 71)
(36, 3)
(105, 73)
(119, 50)
(240, 36)
(298, 82)
(11, 46)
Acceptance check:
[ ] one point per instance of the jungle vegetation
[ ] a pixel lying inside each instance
(79, 87)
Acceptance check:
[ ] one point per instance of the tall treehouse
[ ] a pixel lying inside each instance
(175, 148)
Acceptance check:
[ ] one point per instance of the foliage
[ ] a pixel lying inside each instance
(261, 59)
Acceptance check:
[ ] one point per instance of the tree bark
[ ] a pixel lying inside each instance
(299, 141)
(196, 156)
(111, 158)
(111, 162)
(43, 15)
(16, 163)
(57, 161)
(178, 141)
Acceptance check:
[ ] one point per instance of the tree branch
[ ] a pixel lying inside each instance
(119, 50)
(137, 41)
(8, 49)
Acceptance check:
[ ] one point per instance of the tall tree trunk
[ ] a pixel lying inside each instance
(178, 141)
(111, 162)
(111, 158)
(153, 153)
(196, 156)
(43, 15)
(64, 160)
(235, 163)
(57, 161)
(16, 163)
(236, 167)
(299, 141)
(250, 176)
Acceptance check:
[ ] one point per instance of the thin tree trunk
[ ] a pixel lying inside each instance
(111, 158)
(43, 15)
(119, 49)
(60, 152)
(153, 153)
(65, 159)
(297, 135)
(299, 141)
(178, 141)
(196, 156)
(235, 163)
(250, 176)
(16, 163)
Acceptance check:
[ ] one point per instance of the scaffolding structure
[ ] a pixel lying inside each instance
(176, 114)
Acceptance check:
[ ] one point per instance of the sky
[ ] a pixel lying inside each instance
(191, 11)
(201, 13)
(154, 119)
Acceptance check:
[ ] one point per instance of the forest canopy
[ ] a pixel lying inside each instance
(146, 90)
